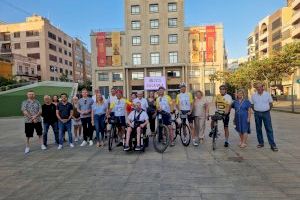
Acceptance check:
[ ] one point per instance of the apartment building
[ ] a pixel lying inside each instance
(37, 38)
(155, 43)
(82, 68)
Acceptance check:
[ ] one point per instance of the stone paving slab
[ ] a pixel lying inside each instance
(180, 173)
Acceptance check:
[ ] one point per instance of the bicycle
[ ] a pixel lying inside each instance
(214, 131)
(161, 138)
(182, 129)
(113, 136)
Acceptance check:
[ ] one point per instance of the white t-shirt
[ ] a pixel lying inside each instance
(143, 116)
(112, 99)
(143, 102)
(261, 102)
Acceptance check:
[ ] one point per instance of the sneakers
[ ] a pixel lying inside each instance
(43, 147)
(59, 147)
(91, 142)
(71, 145)
(195, 143)
(274, 148)
(137, 148)
(126, 148)
(226, 144)
(84, 143)
(184, 140)
(260, 145)
(172, 144)
(76, 139)
(27, 150)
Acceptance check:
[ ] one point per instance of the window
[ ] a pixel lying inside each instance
(172, 7)
(173, 57)
(154, 58)
(33, 44)
(208, 72)
(61, 70)
(195, 73)
(172, 22)
(103, 76)
(153, 8)
(60, 60)
(209, 89)
(135, 10)
(52, 47)
(276, 24)
(51, 78)
(59, 39)
(108, 60)
(154, 39)
(34, 55)
(136, 25)
(17, 45)
(51, 35)
(156, 73)
(70, 54)
(51, 68)
(52, 58)
(66, 62)
(32, 33)
(173, 38)
(66, 53)
(20, 68)
(71, 73)
(174, 74)
(104, 91)
(154, 23)
(108, 42)
(70, 64)
(70, 45)
(60, 50)
(65, 42)
(137, 59)
(277, 47)
(137, 75)
(276, 35)
(17, 34)
(117, 76)
(136, 40)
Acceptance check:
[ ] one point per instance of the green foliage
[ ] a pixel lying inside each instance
(86, 84)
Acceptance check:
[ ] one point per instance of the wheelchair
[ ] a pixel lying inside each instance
(144, 139)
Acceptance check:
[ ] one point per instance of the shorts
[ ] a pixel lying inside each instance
(190, 117)
(30, 127)
(226, 120)
(76, 122)
(166, 118)
(121, 121)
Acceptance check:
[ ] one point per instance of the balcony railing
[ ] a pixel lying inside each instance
(296, 4)
(20, 73)
(5, 50)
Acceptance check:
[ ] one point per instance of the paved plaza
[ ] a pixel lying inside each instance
(179, 173)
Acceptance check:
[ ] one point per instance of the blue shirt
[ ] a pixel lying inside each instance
(84, 105)
(99, 109)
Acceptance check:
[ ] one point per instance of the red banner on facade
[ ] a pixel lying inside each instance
(101, 50)
(210, 43)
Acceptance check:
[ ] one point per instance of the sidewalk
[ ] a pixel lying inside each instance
(286, 106)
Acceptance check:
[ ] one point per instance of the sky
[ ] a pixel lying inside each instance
(78, 17)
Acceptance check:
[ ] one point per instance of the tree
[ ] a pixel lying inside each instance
(64, 77)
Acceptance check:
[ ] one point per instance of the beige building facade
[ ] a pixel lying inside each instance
(37, 38)
(155, 43)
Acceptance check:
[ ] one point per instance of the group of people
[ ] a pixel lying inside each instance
(89, 114)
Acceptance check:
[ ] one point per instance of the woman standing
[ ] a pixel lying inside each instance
(55, 100)
(242, 107)
(76, 121)
(151, 111)
(99, 109)
(200, 113)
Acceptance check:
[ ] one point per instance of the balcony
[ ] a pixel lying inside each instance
(296, 17)
(296, 31)
(263, 46)
(263, 36)
(27, 74)
(295, 4)
(5, 50)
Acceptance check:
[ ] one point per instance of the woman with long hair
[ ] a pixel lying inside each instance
(76, 121)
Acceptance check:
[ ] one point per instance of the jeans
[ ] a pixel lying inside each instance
(264, 117)
(87, 128)
(99, 121)
(65, 127)
(46, 129)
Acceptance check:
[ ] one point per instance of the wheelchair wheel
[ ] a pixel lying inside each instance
(161, 139)
(185, 135)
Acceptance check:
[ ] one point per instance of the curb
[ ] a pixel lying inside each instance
(285, 111)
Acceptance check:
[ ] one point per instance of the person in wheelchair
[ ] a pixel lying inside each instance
(137, 122)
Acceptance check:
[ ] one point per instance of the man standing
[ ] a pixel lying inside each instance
(223, 104)
(140, 98)
(262, 103)
(64, 113)
(49, 119)
(32, 111)
(184, 103)
(85, 109)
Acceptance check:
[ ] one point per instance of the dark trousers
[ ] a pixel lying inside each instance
(46, 129)
(264, 117)
(87, 128)
(151, 122)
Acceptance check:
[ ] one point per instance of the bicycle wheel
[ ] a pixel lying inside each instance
(161, 139)
(185, 134)
(111, 138)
